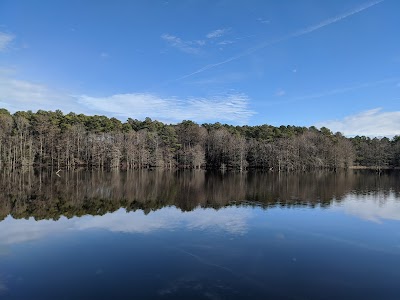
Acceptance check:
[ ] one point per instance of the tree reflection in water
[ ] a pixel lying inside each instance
(43, 195)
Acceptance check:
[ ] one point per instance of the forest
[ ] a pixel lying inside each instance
(69, 141)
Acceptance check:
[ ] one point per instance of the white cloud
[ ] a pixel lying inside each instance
(192, 47)
(217, 33)
(374, 122)
(5, 40)
(227, 107)
(125, 104)
(280, 93)
(18, 94)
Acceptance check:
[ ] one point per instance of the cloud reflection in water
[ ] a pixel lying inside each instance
(372, 207)
(232, 220)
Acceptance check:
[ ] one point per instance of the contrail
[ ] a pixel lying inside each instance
(335, 19)
(285, 38)
(336, 91)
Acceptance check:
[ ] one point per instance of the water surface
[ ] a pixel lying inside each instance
(199, 235)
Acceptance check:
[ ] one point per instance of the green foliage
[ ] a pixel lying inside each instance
(4, 111)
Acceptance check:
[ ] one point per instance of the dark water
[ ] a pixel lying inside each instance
(199, 235)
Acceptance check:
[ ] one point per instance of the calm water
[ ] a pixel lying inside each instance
(199, 235)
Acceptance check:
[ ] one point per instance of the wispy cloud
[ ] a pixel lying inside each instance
(5, 40)
(232, 107)
(104, 55)
(195, 46)
(221, 79)
(225, 42)
(18, 94)
(217, 33)
(295, 34)
(345, 89)
(374, 122)
(263, 21)
(7, 71)
(280, 93)
(192, 47)
(335, 91)
(23, 92)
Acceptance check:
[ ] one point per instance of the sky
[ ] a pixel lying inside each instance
(305, 63)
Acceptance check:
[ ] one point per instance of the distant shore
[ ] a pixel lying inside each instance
(69, 141)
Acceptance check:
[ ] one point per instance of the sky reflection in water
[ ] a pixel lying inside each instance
(349, 249)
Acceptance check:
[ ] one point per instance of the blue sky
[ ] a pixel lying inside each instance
(323, 63)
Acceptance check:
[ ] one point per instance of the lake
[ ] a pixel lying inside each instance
(153, 234)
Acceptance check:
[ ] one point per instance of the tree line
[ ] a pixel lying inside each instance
(68, 141)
